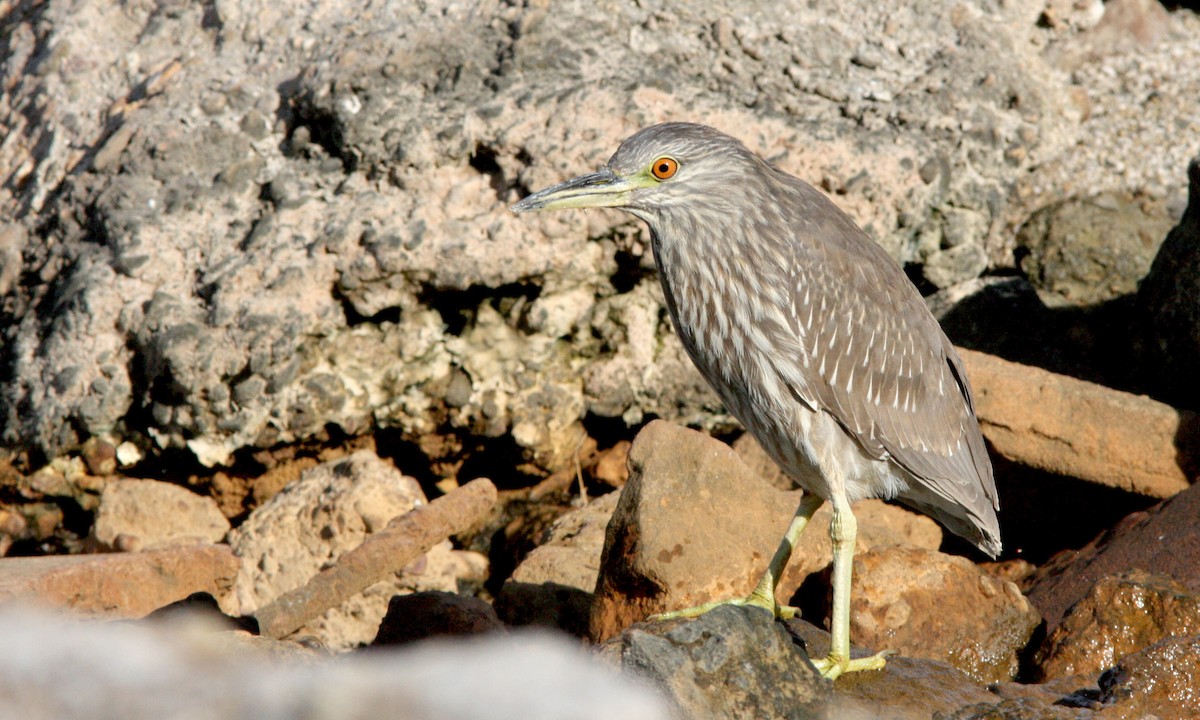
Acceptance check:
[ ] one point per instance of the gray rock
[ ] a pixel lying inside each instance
(295, 220)
(1087, 251)
(54, 668)
(728, 663)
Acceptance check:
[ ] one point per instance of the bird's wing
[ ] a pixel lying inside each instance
(879, 363)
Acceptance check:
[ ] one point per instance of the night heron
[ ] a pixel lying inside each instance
(811, 335)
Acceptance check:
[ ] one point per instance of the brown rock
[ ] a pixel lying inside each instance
(147, 514)
(927, 604)
(1120, 615)
(554, 585)
(1164, 539)
(430, 614)
(694, 524)
(1083, 430)
(1161, 681)
(127, 585)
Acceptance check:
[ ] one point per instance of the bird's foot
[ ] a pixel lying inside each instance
(754, 599)
(835, 665)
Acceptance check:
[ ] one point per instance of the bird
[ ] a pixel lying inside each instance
(814, 339)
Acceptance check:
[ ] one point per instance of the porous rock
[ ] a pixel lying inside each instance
(151, 514)
(324, 514)
(1119, 616)
(922, 603)
(263, 236)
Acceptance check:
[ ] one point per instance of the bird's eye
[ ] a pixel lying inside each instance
(664, 168)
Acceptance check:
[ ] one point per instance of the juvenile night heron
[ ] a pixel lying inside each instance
(811, 335)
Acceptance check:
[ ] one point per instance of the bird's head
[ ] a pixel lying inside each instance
(674, 165)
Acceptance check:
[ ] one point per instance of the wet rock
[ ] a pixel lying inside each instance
(927, 604)
(151, 514)
(554, 585)
(321, 516)
(1164, 540)
(1091, 250)
(424, 615)
(1121, 615)
(138, 672)
(126, 585)
(694, 524)
(1163, 680)
(1167, 301)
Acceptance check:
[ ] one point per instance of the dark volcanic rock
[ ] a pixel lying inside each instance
(433, 613)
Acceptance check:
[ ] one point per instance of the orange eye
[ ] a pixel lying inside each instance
(664, 168)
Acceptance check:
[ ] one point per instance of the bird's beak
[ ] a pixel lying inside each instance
(602, 189)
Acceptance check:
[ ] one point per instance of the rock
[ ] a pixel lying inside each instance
(1163, 680)
(1167, 301)
(124, 585)
(1078, 429)
(922, 603)
(739, 663)
(1119, 616)
(73, 671)
(1085, 251)
(728, 663)
(668, 546)
(305, 253)
(554, 585)
(424, 615)
(324, 514)
(1164, 540)
(154, 514)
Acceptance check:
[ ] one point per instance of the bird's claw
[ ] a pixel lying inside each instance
(833, 666)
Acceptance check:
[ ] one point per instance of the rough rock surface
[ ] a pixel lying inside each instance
(1088, 251)
(238, 225)
(694, 524)
(124, 585)
(144, 514)
(1164, 540)
(923, 603)
(53, 668)
(728, 663)
(1120, 615)
(554, 585)
(327, 512)
(739, 663)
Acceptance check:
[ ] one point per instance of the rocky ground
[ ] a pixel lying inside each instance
(266, 325)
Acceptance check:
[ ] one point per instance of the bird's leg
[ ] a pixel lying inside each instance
(843, 532)
(763, 594)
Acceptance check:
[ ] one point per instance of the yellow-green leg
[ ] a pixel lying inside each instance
(843, 532)
(763, 594)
